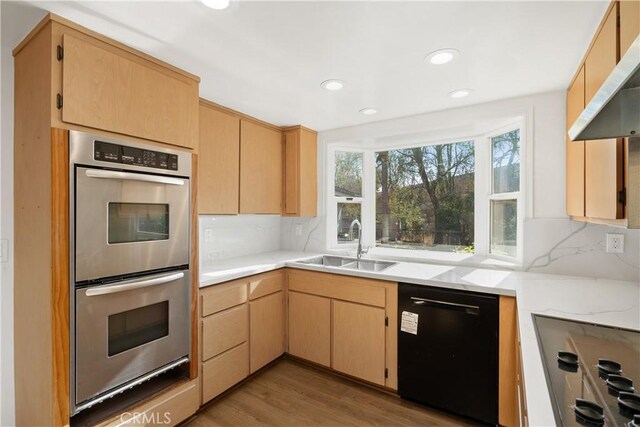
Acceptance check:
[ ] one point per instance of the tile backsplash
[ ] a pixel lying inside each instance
(223, 237)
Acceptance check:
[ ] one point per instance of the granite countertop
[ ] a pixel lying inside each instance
(601, 301)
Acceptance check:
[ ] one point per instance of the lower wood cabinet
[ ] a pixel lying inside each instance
(224, 371)
(310, 327)
(266, 330)
(359, 341)
(346, 323)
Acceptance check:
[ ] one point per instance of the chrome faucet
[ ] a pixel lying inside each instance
(360, 250)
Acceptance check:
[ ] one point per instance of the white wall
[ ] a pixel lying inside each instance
(552, 243)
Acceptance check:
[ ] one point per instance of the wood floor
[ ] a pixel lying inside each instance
(290, 393)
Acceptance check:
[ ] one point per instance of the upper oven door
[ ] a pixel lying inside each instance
(127, 222)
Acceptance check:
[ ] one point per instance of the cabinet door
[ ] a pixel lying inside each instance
(359, 341)
(604, 178)
(629, 23)
(224, 371)
(219, 162)
(266, 336)
(105, 88)
(310, 327)
(260, 169)
(575, 149)
(603, 56)
(301, 182)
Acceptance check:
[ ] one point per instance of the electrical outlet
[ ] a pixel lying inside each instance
(615, 243)
(298, 230)
(4, 250)
(208, 235)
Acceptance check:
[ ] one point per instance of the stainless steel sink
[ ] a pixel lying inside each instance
(329, 261)
(351, 263)
(369, 265)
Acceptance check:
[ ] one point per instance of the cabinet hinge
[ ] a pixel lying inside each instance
(60, 53)
(622, 196)
(386, 373)
(59, 101)
(386, 321)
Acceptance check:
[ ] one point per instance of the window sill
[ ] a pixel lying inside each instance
(445, 258)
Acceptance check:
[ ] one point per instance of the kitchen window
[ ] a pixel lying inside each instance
(462, 196)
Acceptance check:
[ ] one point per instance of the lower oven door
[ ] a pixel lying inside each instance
(127, 329)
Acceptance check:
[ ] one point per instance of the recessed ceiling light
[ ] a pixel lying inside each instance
(460, 93)
(368, 111)
(332, 85)
(442, 56)
(216, 4)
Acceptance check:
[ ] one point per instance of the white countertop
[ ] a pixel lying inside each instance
(601, 301)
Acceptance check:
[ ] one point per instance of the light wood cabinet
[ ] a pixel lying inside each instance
(260, 169)
(595, 175)
(309, 321)
(603, 55)
(358, 342)
(266, 330)
(575, 149)
(219, 169)
(224, 371)
(121, 93)
(224, 330)
(345, 322)
(301, 172)
(629, 23)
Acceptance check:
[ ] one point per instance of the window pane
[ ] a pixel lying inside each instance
(349, 222)
(504, 227)
(505, 156)
(348, 177)
(424, 197)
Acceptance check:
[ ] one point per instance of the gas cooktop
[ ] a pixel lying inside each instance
(592, 372)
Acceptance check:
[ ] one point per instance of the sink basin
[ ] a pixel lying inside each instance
(369, 265)
(352, 263)
(329, 261)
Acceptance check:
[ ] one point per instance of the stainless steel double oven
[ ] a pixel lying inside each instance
(130, 247)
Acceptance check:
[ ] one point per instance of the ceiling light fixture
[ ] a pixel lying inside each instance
(460, 93)
(332, 85)
(368, 111)
(442, 56)
(216, 4)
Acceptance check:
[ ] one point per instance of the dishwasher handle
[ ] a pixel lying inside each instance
(469, 309)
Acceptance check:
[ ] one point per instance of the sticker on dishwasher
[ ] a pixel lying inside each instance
(409, 322)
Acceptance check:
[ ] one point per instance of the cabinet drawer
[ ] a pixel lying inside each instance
(224, 371)
(224, 330)
(265, 284)
(168, 409)
(221, 297)
(338, 287)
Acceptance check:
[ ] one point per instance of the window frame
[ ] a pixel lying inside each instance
(512, 195)
(483, 189)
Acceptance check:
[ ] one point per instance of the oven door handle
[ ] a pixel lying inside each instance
(107, 174)
(133, 284)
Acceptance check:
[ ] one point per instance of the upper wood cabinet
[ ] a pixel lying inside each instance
(603, 56)
(96, 83)
(575, 149)
(109, 89)
(219, 167)
(596, 169)
(260, 169)
(301, 172)
(629, 23)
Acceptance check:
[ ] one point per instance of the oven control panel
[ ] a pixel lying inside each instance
(114, 153)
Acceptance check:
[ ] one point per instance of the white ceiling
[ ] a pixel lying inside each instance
(267, 59)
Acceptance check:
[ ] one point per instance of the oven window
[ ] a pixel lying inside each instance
(139, 326)
(138, 222)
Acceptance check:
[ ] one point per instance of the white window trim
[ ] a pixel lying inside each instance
(482, 189)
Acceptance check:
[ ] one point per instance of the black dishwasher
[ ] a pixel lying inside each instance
(448, 350)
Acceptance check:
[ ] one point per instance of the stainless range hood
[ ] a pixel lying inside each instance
(614, 111)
